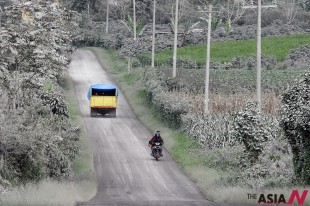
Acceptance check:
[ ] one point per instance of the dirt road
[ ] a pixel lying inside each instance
(127, 174)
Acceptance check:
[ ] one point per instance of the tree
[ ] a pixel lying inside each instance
(82, 5)
(289, 9)
(120, 10)
(36, 139)
(130, 25)
(250, 128)
(295, 120)
(305, 4)
(144, 10)
(38, 48)
(232, 12)
(107, 17)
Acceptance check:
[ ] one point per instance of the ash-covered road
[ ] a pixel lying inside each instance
(126, 172)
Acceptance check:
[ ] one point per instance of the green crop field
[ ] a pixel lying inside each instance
(233, 80)
(277, 47)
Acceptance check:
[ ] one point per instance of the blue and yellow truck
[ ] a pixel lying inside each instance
(102, 99)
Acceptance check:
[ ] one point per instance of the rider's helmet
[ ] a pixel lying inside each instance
(157, 134)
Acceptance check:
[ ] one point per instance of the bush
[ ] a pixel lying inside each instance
(269, 16)
(56, 103)
(37, 144)
(37, 139)
(167, 106)
(296, 125)
(250, 128)
(211, 131)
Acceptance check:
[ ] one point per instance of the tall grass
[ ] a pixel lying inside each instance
(277, 47)
(230, 103)
(48, 193)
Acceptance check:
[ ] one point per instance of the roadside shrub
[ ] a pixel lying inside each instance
(251, 128)
(277, 157)
(274, 168)
(256, 171)
(37, 139)
(296, 125)
(211, 131)
(168, 106)
(225, 159)
(56, 103)
(35, 144)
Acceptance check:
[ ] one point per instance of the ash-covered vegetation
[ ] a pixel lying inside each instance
(38, 139)
(251, 147)
(256, 150)
(229, 22)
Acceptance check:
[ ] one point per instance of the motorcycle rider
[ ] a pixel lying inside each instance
(156, 138)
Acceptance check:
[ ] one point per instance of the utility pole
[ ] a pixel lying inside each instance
(88, 10)
(174, 70)
(259, 55)
(1, 12)
(153, 39)
(259, 48)
(107, 18)
(0, 18)
(208, 61)
(134, 21)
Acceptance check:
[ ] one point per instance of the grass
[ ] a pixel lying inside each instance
(278, 47)
(51, 193)
(110, 60)
(183, 144)
(130, 78)
(48, 86)
(83, 164)
(47, 193)
(184, 150)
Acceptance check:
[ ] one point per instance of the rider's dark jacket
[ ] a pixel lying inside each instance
(156, 139)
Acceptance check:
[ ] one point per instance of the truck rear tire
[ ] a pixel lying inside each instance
(93, 112)
(113, 112)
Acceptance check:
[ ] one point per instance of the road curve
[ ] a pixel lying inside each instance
(126, 172)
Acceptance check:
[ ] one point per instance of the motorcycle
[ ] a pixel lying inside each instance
(157, 150)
